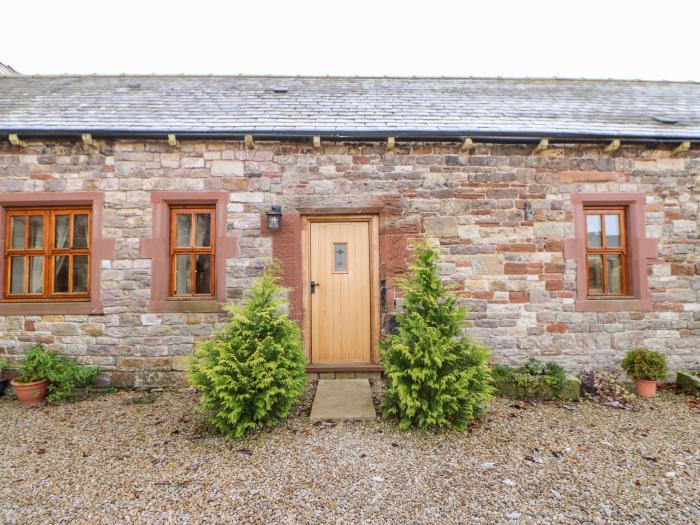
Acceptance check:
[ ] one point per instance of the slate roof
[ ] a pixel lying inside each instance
(6, 70)
(349, 106)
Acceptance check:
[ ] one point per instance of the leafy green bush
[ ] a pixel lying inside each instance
(251, 373)
(642, 363)
(437, 377)
(534, 379)
(63, 374)
(4, 363)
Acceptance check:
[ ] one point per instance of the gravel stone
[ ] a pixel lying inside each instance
(109, 459)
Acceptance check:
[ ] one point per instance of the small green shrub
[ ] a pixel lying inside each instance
(63, 374)
(642, 363)
(4, 363)
(438, 378)
(534, 379)
(251, 373)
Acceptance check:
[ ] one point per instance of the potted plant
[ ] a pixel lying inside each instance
(646, 367)
(4, 364)
(49, 375)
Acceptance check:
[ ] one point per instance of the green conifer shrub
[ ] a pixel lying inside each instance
(437, 377)
(251, 373)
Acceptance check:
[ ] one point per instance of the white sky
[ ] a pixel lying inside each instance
(564, 38)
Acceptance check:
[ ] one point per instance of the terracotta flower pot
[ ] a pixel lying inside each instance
(645, 388)
(30, 393)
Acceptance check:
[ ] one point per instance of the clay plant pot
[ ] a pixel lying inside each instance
(645, 388)
(30, 393)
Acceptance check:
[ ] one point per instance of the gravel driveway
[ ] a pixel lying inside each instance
(110, 460)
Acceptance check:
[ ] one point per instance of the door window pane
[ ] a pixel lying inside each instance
(80, 231)
(340, 257)
(183, 230)
(80, 273)
(595, 274)
(17, 275)
(594, 230)
(17, 232)
(202, 236)
(61, 231)
(36, 231)
(203, 273)
(614, 270)
(183, 274)
(36, 275)
(612, 231)
(60, 274)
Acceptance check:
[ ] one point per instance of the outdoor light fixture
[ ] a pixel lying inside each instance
(274, 217)
(528, 212)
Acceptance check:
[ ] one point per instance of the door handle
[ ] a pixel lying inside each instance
(314, 284)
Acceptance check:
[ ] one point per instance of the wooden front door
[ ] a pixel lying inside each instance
(340, 290)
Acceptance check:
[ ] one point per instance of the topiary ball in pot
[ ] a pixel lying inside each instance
(646, 367)
(251, 373)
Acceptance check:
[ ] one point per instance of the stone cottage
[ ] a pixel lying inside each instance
(565, 212)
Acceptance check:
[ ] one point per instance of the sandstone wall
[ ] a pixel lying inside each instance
(510, 271)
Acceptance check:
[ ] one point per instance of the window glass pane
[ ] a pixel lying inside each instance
(17, 228)
(60, 274)
(36, 231)
(183, 274)
(612, 231)
(80, 231)
(36, 275)
(595, 274)
(594, 230)
(183, 230)
(203, 273)
(80, 273)
(340, 255)
(61, 231)
(614, 269)
(202, 235)
(17, 275)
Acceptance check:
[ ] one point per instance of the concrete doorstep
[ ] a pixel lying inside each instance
(340, 399)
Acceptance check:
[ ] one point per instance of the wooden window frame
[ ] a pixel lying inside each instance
(192, 250)
(48, 252)
(604, 250)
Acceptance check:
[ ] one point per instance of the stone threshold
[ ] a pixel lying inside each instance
(344, 371)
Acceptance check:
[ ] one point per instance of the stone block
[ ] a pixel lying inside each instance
(445, 226)
(227, 168)
(65, 329)
(487, 264)
(93, 329)
(179, 362)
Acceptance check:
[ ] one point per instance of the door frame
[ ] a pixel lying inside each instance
(373, 224)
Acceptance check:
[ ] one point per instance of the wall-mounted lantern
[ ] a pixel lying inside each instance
(274, 217)
(528, 212)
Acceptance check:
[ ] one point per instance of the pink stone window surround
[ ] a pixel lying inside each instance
(101, 250)
(157, 248)
(640, 249)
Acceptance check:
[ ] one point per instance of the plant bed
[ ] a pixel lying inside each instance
(688, 381)
(536, 380)
(4, 364)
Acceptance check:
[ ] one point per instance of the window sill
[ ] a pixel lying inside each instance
(626, 304)
(50, 308)
(185, 306)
